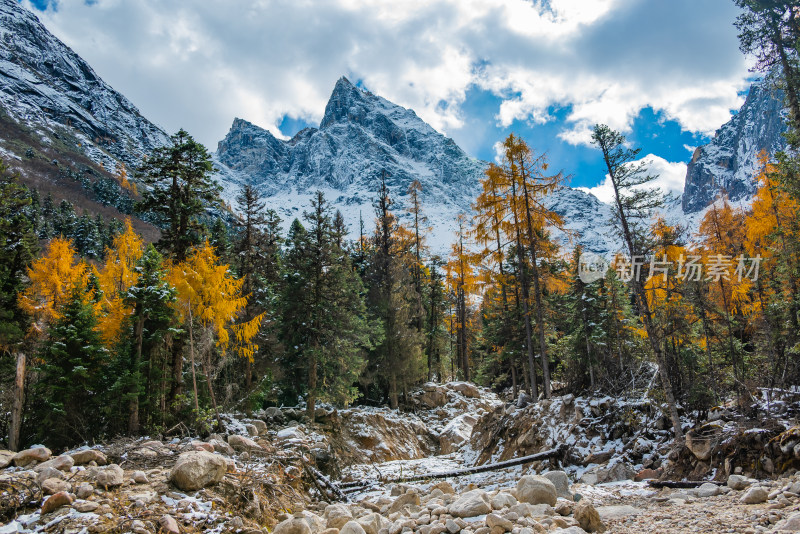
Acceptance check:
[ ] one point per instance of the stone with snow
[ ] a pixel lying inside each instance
(494, 520)
(456, 433)
(535, 489)
(197, 469)
(471, 504)
(290, 433)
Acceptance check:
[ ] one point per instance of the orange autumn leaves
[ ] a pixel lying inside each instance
(205, 288)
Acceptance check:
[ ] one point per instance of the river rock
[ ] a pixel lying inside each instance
(494, 520)
(789, 524)
(337, 515)
(6, 458)
(755, 495)
(561, 482)
(241, 443)
(471, 504)
(407, 498)
(352, 527)
(89, 455)
(84, 490)
(85, 506)
(707, 490)
(168, 524)
(619, 511)
(28, 456)
(56, 501)
(503, 500)
(588, 518)
(739, 482)
(197, 469)
(109, 476)
(373, 523)
(534, 489)
(48, 472)
(293, 525)
(62, 463)
(52, 486)
(444, 486)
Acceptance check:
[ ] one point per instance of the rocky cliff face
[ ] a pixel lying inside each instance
(730, 161)
(45, 86)
(360, 137)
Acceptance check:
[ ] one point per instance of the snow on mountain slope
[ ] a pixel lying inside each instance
(46, 86)
(360, 137)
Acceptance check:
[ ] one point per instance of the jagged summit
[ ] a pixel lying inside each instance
(730, 161)
(361, 137)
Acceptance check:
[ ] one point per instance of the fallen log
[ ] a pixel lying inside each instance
(681, 484)
(558, 451)
(321, 481)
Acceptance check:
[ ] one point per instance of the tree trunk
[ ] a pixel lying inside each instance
(311, 400)
(133, 403)
(194, 374)
(207, 371)
(393, 401)
(176, 385)
(18, 402)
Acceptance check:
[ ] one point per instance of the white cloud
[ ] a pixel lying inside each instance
(200, 64)
(670, 178)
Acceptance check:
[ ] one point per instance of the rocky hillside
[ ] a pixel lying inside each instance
(730, 161)
(258, 476)
(61, 126)
(48, 87)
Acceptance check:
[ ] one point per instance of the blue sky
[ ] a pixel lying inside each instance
(666, 74)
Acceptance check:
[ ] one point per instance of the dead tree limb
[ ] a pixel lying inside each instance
(680, 484)
(558, 451)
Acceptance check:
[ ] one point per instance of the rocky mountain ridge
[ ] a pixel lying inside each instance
(361, 137)
(730, 162)
(46, 85)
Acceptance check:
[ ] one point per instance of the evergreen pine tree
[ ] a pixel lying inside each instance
(396, 362)
(69, 393)
(325, 325)
(180, 189)
(152, 299)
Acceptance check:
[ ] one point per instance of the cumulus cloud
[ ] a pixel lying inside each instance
(200, 64)
(669, 178)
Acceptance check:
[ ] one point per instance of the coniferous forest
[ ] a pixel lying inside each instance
(104, 333)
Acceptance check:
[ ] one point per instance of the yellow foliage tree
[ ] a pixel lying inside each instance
(117, 275)
(209, 293)
(52, 277)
